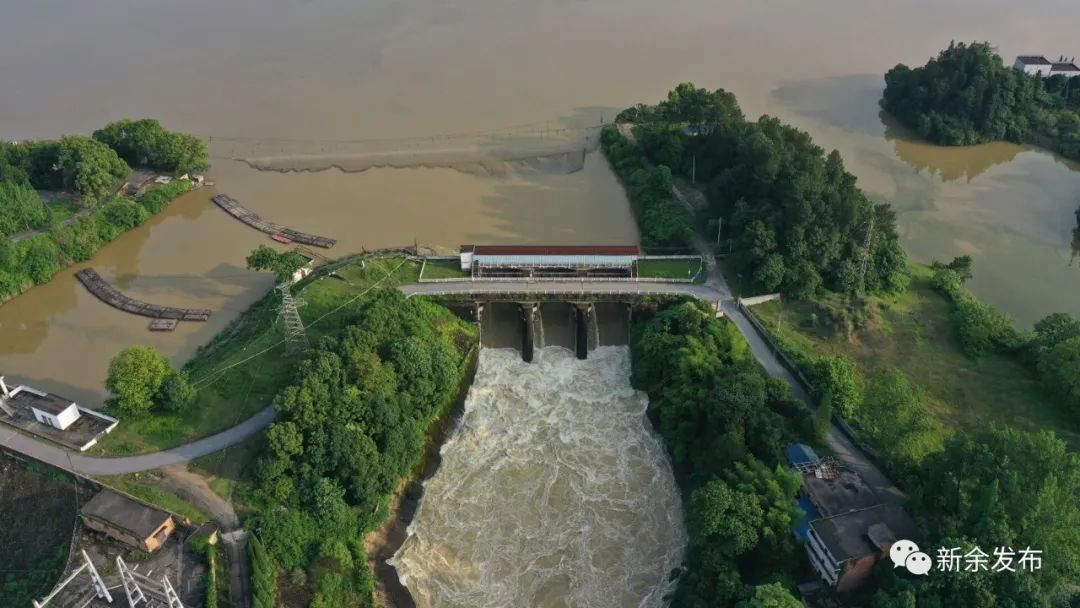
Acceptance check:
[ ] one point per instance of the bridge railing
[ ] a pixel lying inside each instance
(558, 280)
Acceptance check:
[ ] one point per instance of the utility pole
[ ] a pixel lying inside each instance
(693, 171)
(866, 249)
(719, 225)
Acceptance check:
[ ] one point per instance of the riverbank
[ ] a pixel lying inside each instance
(241, 369)
(78, 238)
(384, 542)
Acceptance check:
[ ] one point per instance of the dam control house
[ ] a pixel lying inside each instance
(536, 261)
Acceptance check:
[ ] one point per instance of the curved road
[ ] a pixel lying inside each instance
(714, 290)
(87, 465)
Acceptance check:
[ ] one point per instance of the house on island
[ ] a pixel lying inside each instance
(1039, 65)
(127, 521)
(569, 261)
(846, 528)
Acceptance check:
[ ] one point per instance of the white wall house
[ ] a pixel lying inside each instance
(50, 410)
(1039, 65)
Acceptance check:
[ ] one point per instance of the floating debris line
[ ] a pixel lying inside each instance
(108, 294)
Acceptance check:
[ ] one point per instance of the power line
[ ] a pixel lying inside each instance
(213, 375)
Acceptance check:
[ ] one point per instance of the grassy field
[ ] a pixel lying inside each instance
(242, 368)
(668, 269)
(914, 333)
(155, 496)
(444, 269)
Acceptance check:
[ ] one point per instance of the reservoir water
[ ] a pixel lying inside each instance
(553, 491)
(477, 113)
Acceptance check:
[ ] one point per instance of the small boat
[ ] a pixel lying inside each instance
(281, 238)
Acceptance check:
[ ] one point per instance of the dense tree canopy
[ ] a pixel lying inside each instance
(967, 95)
(348, 430)
(725, 423)
(996, 488)
(90, 168)
(795, 219)
(146, 143)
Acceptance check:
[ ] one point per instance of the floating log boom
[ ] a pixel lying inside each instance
(108, 294)
(276, 231)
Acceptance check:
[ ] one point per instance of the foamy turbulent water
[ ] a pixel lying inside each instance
(554, 491)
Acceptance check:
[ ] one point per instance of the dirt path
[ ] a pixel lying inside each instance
(194, 489)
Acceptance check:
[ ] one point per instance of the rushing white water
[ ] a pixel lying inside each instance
(554, 491)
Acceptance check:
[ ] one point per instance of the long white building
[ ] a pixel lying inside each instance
(1039, 65)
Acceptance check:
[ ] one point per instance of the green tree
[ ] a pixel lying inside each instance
(21, 208)
(135, 377)
(38, 258)
(90, 167)
(982, 328)
(1024, 484)
(283, 265)
(175, 392)
(1060, 370)
(837, 377)
(773, 595)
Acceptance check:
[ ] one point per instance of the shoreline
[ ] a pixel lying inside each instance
(383, 542)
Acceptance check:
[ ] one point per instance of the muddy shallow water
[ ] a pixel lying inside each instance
(469, 122)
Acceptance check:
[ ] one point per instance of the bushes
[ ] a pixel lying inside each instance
(663, 224)
(21, 209)
(982, 328)
(155, 199)
(263, 574)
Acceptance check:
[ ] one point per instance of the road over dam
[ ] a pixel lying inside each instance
(714, 291)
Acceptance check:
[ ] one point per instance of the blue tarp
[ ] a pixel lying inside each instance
(800, 453)
(802, 525)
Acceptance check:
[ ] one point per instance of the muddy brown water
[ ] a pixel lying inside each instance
(481, 108)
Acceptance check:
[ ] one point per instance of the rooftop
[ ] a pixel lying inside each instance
(121, 512)
(800, 453)
(1064, 67)
(45, 402)
(846, 492)
(863, 532)
(552, 249)
(1033, 60)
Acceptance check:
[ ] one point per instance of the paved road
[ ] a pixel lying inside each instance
(713, 290)
(87, 465)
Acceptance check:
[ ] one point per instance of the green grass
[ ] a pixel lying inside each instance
(444, 269)
(155, 496)
(669, 269)
(63, 209)
(225, 468)
(242, 368)
(914, 333)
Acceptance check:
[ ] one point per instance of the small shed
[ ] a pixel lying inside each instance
(51, 410)
(127, 521)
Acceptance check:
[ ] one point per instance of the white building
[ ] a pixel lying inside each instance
(549, 260)
(1038, 65)
(50, 410)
